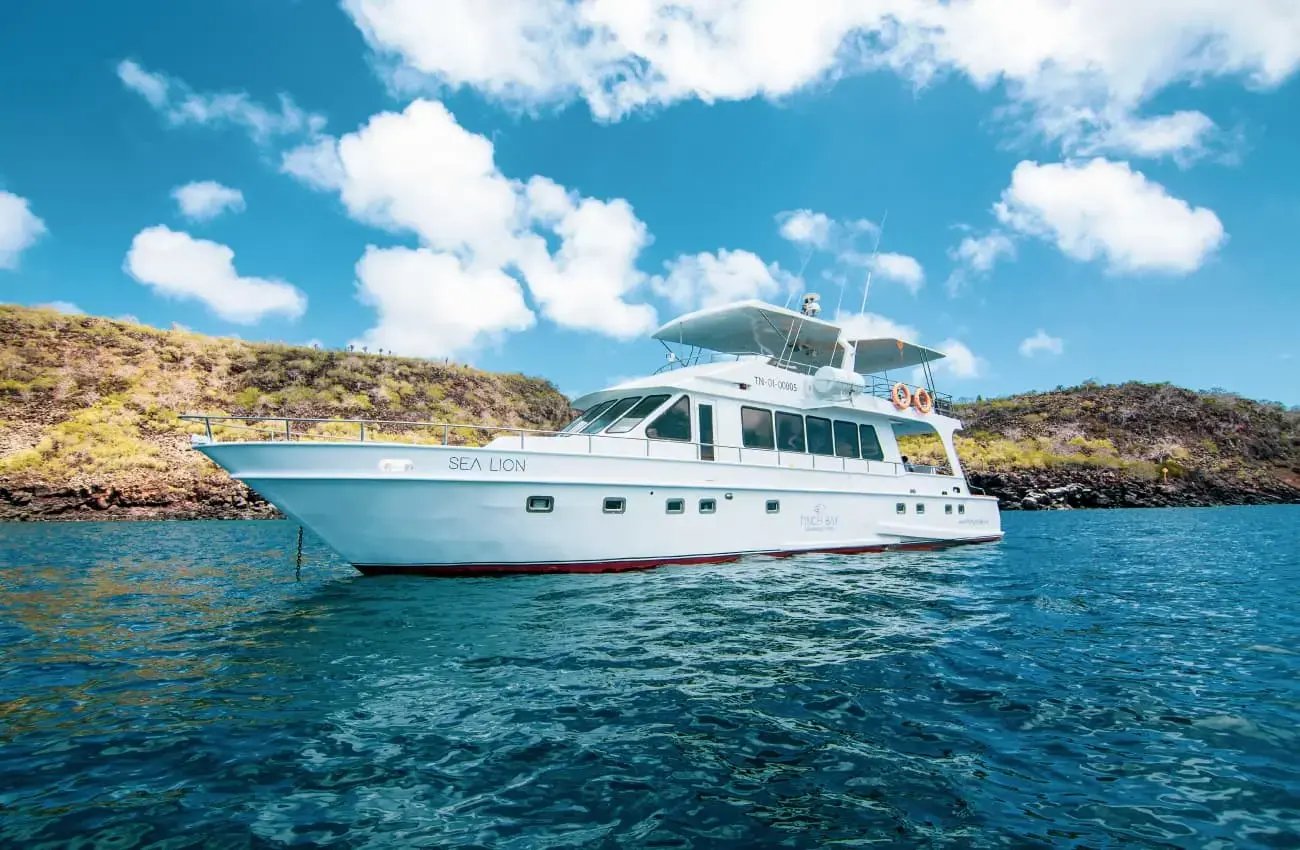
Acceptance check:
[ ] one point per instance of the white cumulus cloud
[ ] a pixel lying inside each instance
(1079, 71)
(976, 256)
(585, 283)
(1041, 342)
(708, 279)
(982, 253)
(805, 227)
(1184, 136)
(19, 228)
(419, 172)
(960, 361)
(1101, 209)
(182, 105)
(899, 268)
(176, 265)
(67, 308)
(430, 305)
(204, 200)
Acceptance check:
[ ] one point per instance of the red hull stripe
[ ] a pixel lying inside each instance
(645, 563)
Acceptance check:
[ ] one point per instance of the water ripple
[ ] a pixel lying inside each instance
(1096, 679)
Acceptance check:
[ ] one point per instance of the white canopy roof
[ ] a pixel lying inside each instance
(755, 327)
(881, 355)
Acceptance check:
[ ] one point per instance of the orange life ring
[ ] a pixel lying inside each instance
(922, 400)
(902, 396)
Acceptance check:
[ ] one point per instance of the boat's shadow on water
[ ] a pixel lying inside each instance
(176, 681)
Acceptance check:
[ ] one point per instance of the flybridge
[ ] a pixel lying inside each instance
(792, 340)
(800, 342)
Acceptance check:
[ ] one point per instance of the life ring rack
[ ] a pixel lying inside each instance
(921, 398)
(902, 396)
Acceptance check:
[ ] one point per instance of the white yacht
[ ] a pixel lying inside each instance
(768, 432)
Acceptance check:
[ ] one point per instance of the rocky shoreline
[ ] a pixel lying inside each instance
(105, 504)
(1028, 490)
(1103, 488)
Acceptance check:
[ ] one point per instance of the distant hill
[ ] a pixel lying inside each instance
(1129, 445)
(88, 410)
(89, 427)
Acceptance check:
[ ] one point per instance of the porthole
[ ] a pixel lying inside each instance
(675, 506)
(900, 508)
(773, 506)
(540, 504)
(708, 506)
(961, 509)
(615, 505)
(947, 509)
(920, 508)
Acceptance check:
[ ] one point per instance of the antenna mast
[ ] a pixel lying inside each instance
(871, 267)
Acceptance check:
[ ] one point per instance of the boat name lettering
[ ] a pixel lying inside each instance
(494, 464)
(819, 520)
(774, 384)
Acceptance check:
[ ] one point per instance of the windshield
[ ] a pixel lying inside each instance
(609, 414)
(648, 405)
(586, 417)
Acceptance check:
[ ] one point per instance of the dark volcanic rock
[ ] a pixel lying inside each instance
(232, 501)
(1084, 487)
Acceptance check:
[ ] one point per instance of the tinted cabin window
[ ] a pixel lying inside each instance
(611, 413)
(675, 506)
(706, 432)
(756, 428)
(588, 416)
(819, 436)
(789, 432)
(633, 417)
(846, 439)
(870, 443)
(674, 423)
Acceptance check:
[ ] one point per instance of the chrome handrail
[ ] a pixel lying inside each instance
(289, 435)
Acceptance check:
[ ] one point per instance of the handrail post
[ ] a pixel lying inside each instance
(446, 430)
(288, 438)
(207, 424)
(363, 431)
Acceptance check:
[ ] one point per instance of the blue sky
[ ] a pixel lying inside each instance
(1075, 189)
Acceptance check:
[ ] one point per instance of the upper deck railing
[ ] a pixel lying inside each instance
(877, 386)
(297, 429)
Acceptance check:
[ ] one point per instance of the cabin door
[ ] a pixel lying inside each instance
(706, 431)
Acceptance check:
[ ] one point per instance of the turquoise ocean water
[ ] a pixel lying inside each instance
(1099, 679)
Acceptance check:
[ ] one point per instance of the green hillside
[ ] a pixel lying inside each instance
(89, 409)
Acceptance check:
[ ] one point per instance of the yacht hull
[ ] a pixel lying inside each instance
(389, 508)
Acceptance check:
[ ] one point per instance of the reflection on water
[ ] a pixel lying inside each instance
(1097, 678)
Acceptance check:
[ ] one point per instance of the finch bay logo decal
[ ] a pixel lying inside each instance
(819, 520)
